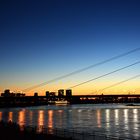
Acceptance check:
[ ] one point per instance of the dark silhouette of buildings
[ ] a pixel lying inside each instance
(10, 99)
(68, 93)
(47, 94)
(7, 93)
(35, 94)
(52, 94)
(60, 93)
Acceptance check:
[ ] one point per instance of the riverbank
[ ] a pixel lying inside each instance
(9, 130)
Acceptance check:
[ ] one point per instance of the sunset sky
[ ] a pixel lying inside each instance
(43, 39)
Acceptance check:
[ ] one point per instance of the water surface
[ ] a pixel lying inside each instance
(111, 119)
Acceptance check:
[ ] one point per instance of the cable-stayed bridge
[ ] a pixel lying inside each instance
(9, 99)
(87, 68)
(95, 78)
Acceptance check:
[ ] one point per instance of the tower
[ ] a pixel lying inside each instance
(68, 93)
(61, 93)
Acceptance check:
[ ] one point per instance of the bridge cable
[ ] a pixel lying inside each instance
(82, 69)
(104, 75)
(118, 83)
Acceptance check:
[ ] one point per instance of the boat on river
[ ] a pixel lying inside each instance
(63, 102)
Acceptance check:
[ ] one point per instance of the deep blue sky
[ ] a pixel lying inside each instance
(43, 39)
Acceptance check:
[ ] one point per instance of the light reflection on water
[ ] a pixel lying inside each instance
(50, 121)
(116, 114)
(30, 117)
(10, 116)
(40, 120)
(98, 112)
(135, 120)
(107, 113)
(116, 120)
(21, 119)
(0, 116)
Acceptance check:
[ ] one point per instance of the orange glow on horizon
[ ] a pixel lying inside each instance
(90, 88)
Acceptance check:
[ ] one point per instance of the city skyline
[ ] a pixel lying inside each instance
(43, 40)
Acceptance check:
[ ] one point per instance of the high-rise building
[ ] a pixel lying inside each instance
(60, 92)
(47, 94)
(35, 94)
(52, 94)
(68, 92)
(6, 93)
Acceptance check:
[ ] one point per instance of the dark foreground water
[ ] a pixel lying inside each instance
(111, 119)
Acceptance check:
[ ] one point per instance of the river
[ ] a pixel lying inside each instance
(110, 119)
